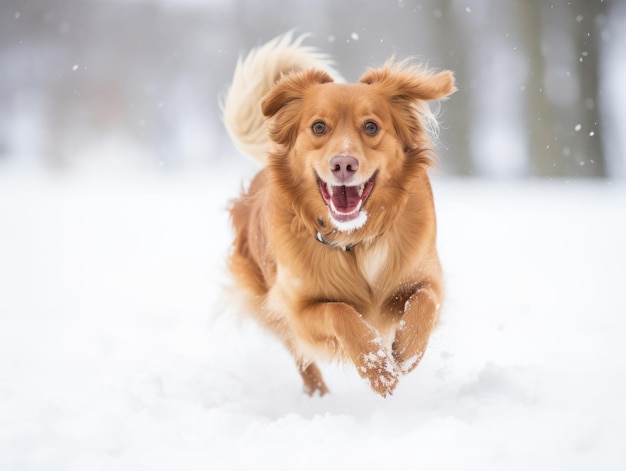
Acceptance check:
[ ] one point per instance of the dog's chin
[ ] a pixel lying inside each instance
(345, 203)
(349, 225)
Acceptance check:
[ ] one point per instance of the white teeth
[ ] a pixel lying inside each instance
(360, 189)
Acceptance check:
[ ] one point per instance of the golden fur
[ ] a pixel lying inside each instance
(366, 292)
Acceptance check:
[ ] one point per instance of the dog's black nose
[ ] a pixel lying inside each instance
(343, 167)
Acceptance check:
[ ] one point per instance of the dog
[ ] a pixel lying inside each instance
(335, 238)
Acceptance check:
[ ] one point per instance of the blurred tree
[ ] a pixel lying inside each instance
(452, 44)
(562, 114)
(589, 18)
(544, 156)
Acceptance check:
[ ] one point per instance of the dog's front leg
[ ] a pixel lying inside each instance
(338, 326)
(414, 329)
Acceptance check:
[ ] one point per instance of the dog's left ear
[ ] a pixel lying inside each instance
(281, 105)
(408, 89)
(402, 81)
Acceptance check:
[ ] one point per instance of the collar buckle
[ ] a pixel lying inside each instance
(320, 238)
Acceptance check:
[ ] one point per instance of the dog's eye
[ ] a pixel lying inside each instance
(319, 128)
(371, 128)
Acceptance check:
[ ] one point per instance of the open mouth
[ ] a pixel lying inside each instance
(345, 202)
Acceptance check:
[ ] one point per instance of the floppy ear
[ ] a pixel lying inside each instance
(404, 81)
(281, 104)
(408, 89)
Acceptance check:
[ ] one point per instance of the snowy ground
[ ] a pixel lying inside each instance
(112, 356)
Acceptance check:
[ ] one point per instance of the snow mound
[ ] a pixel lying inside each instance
(112, 357)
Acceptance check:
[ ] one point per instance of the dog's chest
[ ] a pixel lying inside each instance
(373, 261)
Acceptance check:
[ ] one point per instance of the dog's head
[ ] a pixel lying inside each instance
(348, 153)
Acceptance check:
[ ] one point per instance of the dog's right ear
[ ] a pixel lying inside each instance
(280, 105)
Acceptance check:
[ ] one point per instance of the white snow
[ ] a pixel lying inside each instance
(351, 225)
(112, 356)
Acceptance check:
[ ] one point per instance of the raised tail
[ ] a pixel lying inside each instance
(255, 75)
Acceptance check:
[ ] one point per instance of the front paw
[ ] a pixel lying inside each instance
(420, 317)
(406, 351)
(379, 368)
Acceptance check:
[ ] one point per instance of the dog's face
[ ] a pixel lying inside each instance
(351, 150)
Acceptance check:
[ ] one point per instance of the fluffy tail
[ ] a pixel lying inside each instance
(254, 77)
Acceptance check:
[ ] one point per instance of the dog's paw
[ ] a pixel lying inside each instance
(379, 368)
(313, 380)
(406, 365)
(420, 316)
(404, 349)
(405, 352)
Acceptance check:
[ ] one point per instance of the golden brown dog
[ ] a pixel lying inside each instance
(335, 237)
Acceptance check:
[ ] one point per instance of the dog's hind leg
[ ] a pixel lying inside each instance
(313, 380)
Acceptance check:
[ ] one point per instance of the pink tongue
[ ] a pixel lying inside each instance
(345, 198)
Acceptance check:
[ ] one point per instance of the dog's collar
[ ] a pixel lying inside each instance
(345, 248)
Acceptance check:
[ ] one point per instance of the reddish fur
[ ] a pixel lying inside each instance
(323, 302)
